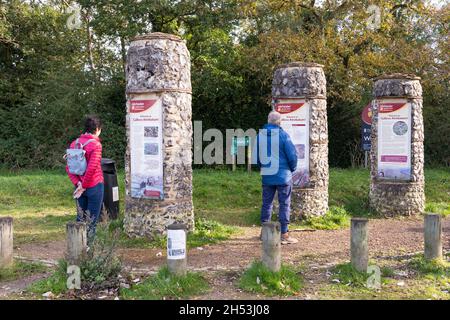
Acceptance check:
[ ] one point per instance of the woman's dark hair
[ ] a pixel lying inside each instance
(92, 123)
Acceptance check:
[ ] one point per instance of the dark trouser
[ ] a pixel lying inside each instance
(284, 199)
(91, 201)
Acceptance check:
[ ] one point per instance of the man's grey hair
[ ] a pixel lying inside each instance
(274, 118)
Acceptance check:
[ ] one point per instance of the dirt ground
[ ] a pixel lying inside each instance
(222, 262)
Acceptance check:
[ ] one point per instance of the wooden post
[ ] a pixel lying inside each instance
(359, 244)
(249, 158)
(76, 242)
(233, 164)
(271, 245)
(176, 249)
(433, 236)
(6, 242)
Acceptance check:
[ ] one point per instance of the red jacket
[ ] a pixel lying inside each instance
(94, 173)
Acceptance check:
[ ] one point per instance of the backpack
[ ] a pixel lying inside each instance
(76, 160)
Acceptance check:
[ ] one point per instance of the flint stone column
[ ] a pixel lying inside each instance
(399, 198)
(307, 81)
(6, 242)
(159, 63)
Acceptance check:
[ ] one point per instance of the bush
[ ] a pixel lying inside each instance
(102, 266)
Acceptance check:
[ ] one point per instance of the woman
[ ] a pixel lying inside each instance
(89, 188)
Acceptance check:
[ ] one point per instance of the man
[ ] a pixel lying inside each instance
(277, 158)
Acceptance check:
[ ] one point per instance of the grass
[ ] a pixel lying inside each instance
(21, 269)
(41, 204)
(432, 282)
(436, 267)
(259, 279)
(349, 276)
(165, 286)
(337, 217)
(206, 232)
(55, 283)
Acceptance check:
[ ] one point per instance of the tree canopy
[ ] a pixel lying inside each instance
(51, 74)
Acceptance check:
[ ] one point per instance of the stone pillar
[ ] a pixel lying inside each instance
(158, 65)
(359, 244)
(433, 236)
(76, 233)
(271, 245)
(394, 197)
(6, 242)
(307, 81)
(176, 249)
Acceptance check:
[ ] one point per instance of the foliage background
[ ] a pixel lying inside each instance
(50, 75)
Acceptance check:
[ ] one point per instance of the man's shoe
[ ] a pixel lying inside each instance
(286, 239)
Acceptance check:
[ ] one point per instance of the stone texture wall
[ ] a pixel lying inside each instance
(408, 197)
(160, 63)
(307, 80)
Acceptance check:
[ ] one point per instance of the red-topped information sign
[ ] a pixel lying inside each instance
(146, 147)
(394, 139)
(295, 121)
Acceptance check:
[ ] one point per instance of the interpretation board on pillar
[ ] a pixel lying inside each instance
(394, 139)
(295, 121)
(146, 146)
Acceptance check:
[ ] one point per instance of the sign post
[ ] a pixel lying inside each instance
(241, 142)
(366, 128)
(397, 159)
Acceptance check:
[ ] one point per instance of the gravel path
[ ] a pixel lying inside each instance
(386, 237)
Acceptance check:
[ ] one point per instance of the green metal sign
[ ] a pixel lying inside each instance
(239, 142)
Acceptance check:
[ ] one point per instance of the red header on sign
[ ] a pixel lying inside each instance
(288, 107)
(137, 106)
(390, 107)
(366, 114)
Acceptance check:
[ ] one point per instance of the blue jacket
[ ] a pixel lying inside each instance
(279, 161)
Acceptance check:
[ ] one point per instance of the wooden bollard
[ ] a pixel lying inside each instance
(271, 245)
(433, 236)
(176, 249)
(6, 242)
(76, 242)
(359, 244)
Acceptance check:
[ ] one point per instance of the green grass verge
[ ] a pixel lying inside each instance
(436, 268)
(165, 286)
(259, 279)
(41, 204)
(336, 217)
(56, 283)
(433, 283)
(206, 232)
(348, 275)
(21, 269)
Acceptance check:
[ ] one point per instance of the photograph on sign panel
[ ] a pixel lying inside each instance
(147, 187)
(151, 132)
(300, 178)
(151, 149)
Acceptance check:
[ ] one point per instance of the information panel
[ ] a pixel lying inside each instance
(146, 147)
(394, 139)
(295, 121)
